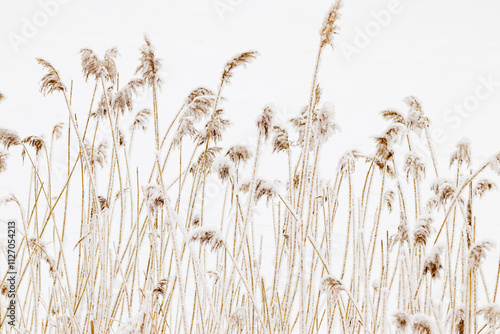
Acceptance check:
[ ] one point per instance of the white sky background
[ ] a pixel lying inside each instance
(439, 51)
(436, 50)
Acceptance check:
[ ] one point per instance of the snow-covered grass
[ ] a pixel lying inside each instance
(179, 231)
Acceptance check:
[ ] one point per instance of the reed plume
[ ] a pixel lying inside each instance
(50, 82)
(9, 138)
(150, 65)
(96, 68)
(207, 236)
(240, 60)
(330, 25)
(477, 253)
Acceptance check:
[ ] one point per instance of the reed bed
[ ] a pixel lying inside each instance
(384, 242)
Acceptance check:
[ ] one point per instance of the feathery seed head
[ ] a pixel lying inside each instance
(331, 286)
(238, 154)
(141, 120)
(265, 121)
(93, 66)
(240, 60)
(433, 264)
(207, 236)
(205, 159)
(154, 196)
(389, 197)
(401, 321)
(3, 161)
(462, 155)
(150, 65)
(50, 82)
(483, 186)
(330, 27)
(422, 231)
(9, 138)
(477, 253)
(422, 324)
(491, 313)
(224, 168)
(393, 116)
(414, 167)
(214, 128)
(280, 139)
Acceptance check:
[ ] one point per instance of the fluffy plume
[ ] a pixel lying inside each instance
(238, 154)
(433, 264)
(491, 313)
(401, 321)
(414, 167)
(207, 236)
(444, 189)
(417, 122)
(3, 161)
(9, 138)
(123, 99)
(141, 120)
(460, 320)
(214, 128)
(161, 288)
(39, 247)
(97, 155)
(205, 159)
(384, 145)
(265, 189)
(393, 116)
(224, 168)
(262, 189)
(57, 130)
(325, 125)
(403, 229)
(34, 141)
(186, 128)
(347, 162)
(422, 324)
(477, 253)
(330, 27)
(414, 103)
(483, 186)
(237, 320)
(154, 196)
(150, 65)
(494, 163)
(265, 121)
(199, 103)
(422, 231)
(93, 66)
(389, 197)
(50, 82)
(240, 60)
(280, 140)
(103, 203)
(102, 105)
(331, 285)
(462, 155)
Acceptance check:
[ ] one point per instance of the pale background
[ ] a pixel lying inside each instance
(441, 51)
